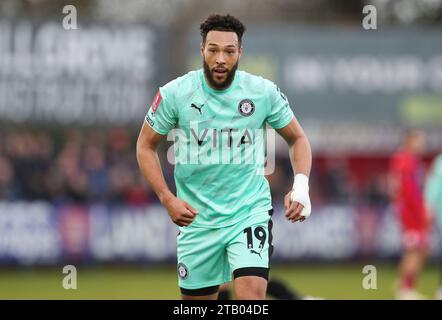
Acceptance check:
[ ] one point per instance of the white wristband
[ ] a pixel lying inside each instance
(301, 181)
(300, 193)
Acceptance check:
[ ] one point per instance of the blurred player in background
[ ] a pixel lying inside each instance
(407, 176)
(223, 209)
(433, 199)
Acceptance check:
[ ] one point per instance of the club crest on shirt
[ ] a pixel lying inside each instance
(182, 271)
(246, 107)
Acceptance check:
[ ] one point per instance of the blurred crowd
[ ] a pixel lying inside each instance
(335, 180)
(77, 166)
(99, 165)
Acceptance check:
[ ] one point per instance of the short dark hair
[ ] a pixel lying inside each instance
(219, 22)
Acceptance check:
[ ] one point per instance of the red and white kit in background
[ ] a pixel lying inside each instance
(408, 171)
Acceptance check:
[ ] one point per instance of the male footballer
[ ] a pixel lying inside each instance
(223, 205)
(407, 186)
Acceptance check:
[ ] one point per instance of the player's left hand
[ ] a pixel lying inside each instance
(297, 201)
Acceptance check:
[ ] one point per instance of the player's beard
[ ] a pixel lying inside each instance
(211, 78)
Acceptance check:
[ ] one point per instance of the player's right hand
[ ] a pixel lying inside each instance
(181, 213)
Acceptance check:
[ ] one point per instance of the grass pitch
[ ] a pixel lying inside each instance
(337, 281)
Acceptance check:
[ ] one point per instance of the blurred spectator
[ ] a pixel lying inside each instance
(377, 190)
(6, 179)
(337, 179)
(87, 165)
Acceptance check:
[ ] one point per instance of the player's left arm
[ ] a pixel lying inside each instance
(297, 201)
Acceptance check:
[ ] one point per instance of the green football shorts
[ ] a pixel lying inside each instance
(209, 257)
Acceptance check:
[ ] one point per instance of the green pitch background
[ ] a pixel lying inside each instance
(343, 281)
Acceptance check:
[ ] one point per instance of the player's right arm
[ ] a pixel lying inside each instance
(180, 211)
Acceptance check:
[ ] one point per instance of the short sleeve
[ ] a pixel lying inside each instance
(161, 116)
(280, 112)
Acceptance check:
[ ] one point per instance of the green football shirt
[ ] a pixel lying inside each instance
(219, 142)
(433, 189)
